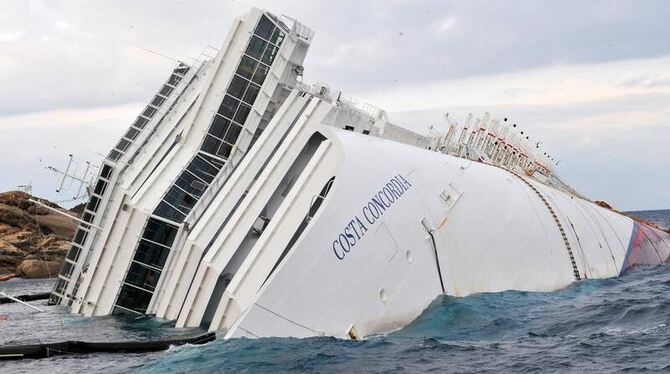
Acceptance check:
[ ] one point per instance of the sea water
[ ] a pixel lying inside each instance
(610, 325)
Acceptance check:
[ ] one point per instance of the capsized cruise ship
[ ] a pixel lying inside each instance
(246, 201)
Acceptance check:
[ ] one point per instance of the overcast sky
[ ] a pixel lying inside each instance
(589, 79)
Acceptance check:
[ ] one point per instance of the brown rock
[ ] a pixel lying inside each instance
(37, 269)
(6, 247)
(31, 235)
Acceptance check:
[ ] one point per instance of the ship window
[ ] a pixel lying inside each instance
(219, 126)
(186, 182)
(123, 145)
(251, 94)
(228, 106)
(233, 133)
(224, 150)
(182, 69)
(174, 80)
(242, 113)
(166, 90)
(142, 276)
(80, 237)
(100, 187)
(149, 112)
(93, 204)
(67, 268)
(237, 87)
(211, 144)
(203, 169)
(134, 299)
(60, 286)
(247, 66)
(140, 122)
(151, 253)
(256, 47)
(88, 217)
(180, 199)
(131, 133)
(264, 28)
(73, 254)
(106, 171)
(349, 128)
(213, 161)
(160, 232)
(114, 155)
(260, 74)
(277, 37)
(157, 101)
(269, 54)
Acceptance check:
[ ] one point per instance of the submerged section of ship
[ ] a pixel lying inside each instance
(244, 200)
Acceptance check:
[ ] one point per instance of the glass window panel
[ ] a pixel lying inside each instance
(157, 101)
(60, 285)
(166, 211)
(122, 145)
(186, 182)
(180, 199)
(80, 236)
(213, 161)
(277, 37)
(225, 150)
(182, 70)
(131, 133)
(233, 134)
(203, 169)
(93, 204)
(269, 54)
(106, 171)
(149, 112)
(264, 28)
(114, 155)
(228, 106)
(247, 66)
(134, 299)
(251, 94)
(142, 276)
(242, 113)
(140, 122)
(151, 254)
(219, 126)
(73, 253)
(174, 80)
(237, 87)
(88, 217)
(67, 269)
(210, 145)
(166, 90)
(100, 187)
(160, 232)
(260, 74)
(256, 47)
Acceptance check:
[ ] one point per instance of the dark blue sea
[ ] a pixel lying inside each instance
(612, 325)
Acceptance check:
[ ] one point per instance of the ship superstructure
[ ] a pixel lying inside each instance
(245, 200)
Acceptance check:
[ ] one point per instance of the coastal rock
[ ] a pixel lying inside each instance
(31, 232)
(37, 269)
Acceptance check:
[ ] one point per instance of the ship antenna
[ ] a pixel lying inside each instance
(153, 52)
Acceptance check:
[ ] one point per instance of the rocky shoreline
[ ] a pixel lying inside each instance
(33, 239)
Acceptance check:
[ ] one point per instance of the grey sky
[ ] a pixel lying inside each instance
(589, 79)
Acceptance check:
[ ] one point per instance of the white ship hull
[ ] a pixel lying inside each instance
(244, 201)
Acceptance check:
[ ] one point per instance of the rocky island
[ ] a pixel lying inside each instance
(33, 239)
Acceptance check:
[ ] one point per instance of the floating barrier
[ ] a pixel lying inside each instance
(19, 352)
(32, 297)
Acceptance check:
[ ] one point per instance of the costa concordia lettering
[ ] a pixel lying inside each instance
(245, 201)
